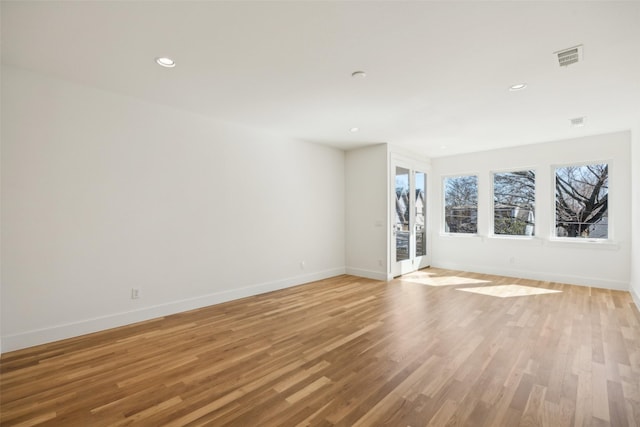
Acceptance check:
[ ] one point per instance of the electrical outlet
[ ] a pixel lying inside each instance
(135, 293)
(302, 265)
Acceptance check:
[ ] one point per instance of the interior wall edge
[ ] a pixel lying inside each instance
(369, 274)
(636, 297)
(70, 330)
(634, 287)
(596, 282)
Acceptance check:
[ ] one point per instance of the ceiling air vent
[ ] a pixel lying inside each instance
(569, 56)
(577, 122)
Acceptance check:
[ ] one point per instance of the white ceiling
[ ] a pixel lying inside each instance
(438, 72)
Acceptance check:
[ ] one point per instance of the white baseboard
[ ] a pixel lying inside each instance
(369, 274)
(549, 277)
(87, 326)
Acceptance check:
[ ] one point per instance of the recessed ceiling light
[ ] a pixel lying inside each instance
(354, 130)
(165, 62)
(359, 74)
(518, 86)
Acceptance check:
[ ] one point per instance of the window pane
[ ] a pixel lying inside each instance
(421, 209)
(514, 203)
(461, 204)
(402, 214)
(582, 201)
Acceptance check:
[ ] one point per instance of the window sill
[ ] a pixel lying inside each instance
(463, 235)
(523, 240)
(584, 243)
(510, 237)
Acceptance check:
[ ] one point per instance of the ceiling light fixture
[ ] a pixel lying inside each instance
(165, 62)
(518, 86)
(359, 74)
(354, 130)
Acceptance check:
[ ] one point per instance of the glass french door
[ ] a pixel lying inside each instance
(409, 222)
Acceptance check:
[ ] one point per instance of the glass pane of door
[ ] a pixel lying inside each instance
(409, 226)
(421, 213)
(402, 225)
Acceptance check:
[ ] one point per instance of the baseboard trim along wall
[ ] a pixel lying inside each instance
(369, 274)
(596, 282)
(87, 326)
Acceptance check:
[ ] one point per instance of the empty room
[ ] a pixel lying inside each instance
(320, 213)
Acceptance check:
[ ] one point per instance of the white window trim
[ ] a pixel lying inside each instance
(492, 220)
(464, 235)
(443, 213)
(581, 242)
(573, 242)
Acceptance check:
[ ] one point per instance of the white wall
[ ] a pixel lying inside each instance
(103, 193)
(366, 172)
(603, 265)
(1, 275)
(635, 215)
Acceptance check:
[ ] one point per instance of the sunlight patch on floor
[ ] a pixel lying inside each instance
(506, 291)
(426, 279)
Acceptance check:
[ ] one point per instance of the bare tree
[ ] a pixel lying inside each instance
(581, 201)
(515, 188)
(461, 204)
(582, 194)
(514, 203)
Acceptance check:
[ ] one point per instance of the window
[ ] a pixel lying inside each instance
(582, 201)
(514, 195)
(461, 204)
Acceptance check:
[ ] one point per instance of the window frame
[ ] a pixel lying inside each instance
(492, 221)
(443, 225)
(553, 237)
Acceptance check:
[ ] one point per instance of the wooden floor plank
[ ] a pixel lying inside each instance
(349, 351)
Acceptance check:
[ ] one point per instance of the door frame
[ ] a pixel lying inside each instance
(397, 268)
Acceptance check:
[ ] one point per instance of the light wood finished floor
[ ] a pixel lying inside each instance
(348, 351)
